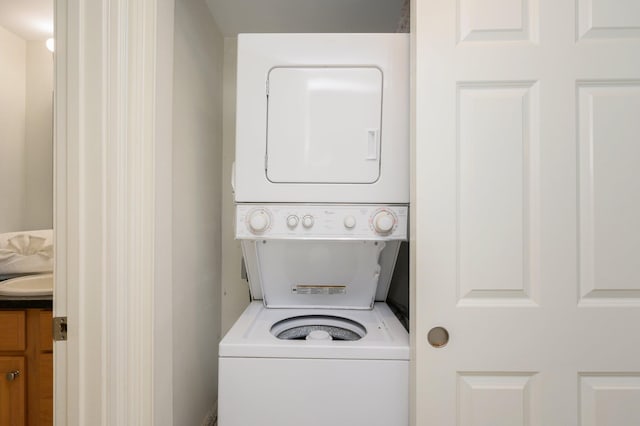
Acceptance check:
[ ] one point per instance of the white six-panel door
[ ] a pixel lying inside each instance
(526, 212)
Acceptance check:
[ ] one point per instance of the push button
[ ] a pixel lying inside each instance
(292, 221)
(349, 222)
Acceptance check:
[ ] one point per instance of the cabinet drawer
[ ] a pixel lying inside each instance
(12, 330)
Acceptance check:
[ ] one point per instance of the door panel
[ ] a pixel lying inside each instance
(526, 200)
(12, 392)
(497, 175)
(608, 19)
(496, 20)
(609, 210)
(495, 399)
(12, 330)
(609, 400)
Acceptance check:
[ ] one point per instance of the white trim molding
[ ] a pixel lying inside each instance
(129, 211)
(110, 135)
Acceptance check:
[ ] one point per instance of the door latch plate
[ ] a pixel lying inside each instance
(59, 329)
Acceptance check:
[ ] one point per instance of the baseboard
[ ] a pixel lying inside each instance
(211, 419)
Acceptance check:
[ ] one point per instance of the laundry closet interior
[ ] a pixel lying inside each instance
(210, 288)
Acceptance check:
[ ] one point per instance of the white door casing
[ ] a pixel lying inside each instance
(526, 199)
(112, 213)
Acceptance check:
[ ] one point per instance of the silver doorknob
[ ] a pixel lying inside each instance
(12, 375)
(438, 337)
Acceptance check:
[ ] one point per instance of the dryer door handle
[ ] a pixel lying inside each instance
(373, 141)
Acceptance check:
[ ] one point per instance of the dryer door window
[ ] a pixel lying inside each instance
(324, 125)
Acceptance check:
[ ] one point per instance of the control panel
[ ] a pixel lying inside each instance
(306, 221)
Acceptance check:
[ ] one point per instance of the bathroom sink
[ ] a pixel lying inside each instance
(30, 285)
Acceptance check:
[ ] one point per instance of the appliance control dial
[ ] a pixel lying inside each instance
(384, 221)
(292, 221)
(307, 221)
(349, 222)
(259, 221)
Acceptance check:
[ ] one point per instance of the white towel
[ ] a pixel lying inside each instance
(26, 252)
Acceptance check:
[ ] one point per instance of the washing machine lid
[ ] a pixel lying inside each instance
(315, 273)
(324, 125)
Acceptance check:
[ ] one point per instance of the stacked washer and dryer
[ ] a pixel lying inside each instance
(321, 185)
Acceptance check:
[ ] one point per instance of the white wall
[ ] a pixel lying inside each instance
(235, 290)
(39, 137)
(12, 131)
(26, 134)
(197, 162)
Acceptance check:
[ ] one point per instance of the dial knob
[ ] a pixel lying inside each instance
(259, 221)
(349, 222)
(383, 222)
(307, 221)
(292, 221)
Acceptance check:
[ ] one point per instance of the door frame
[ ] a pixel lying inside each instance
(112, 211)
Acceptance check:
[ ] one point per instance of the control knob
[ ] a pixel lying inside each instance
(307, 221)
(383, 222)
(259, 221)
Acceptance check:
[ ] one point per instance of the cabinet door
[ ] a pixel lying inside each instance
(12, 395)
(12, 330)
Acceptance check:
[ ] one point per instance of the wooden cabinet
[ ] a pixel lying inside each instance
(12, 330)
(12, 393)
(26, 347)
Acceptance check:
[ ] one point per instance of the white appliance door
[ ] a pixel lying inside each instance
(527, 207)
(323, 125)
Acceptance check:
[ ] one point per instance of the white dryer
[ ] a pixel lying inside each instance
(318, 345)
(322, 118)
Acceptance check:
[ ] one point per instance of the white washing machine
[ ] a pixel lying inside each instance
(318, 346)
(322, 118)
(359, 379)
